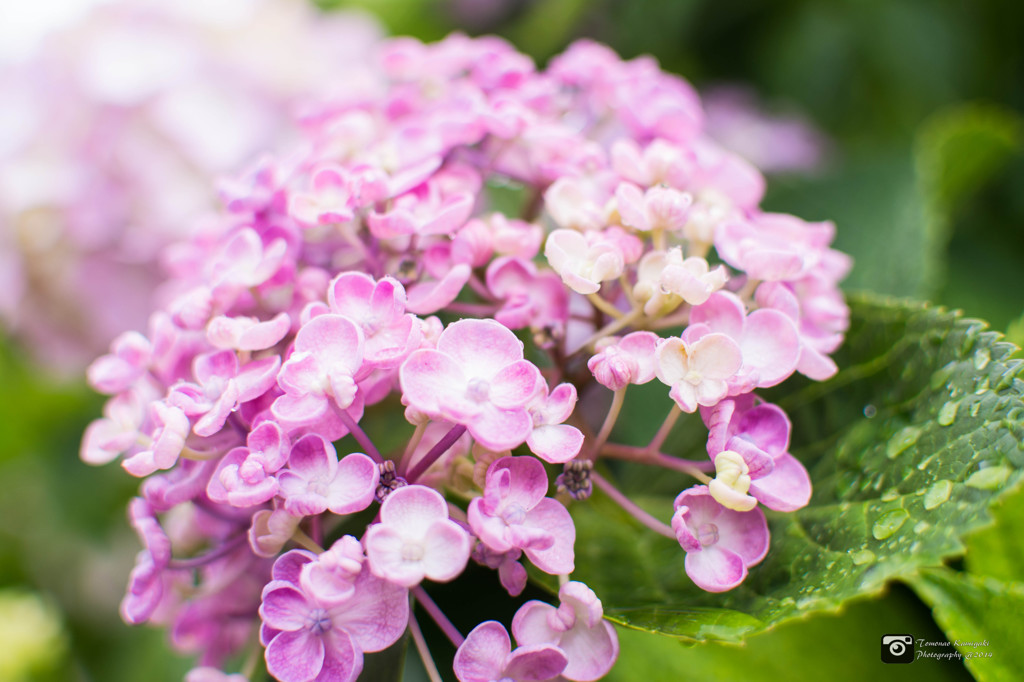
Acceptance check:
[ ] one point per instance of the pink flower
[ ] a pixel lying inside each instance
(515, 514)
(477, 377)
(767, 339)
(487, 656)
(697, 369)
(665, 280)
(551, 440)
(389, 333)
(245, 476)
(577, 627)
(415, 539)
(629, 360)
(329, 199)
(759, 433)
(222, 387)
(721, 544)
(659, 208)
(582, 261)
(127, 362)
(307, 638)
(247, 333)
(529, 298)
(773, 246)
(321, 369)
(316, 481)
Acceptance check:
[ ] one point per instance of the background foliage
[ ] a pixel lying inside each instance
(921, 102)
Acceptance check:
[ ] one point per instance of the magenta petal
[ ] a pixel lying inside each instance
(535, 663)
(377, 615)
(715, 569)
(295, 656)
(759, 462)
(284, 608)
(555, 443)
(787, 488)
(743, 533)
(350, 293)
(256, 378)
(343, 661)
(528, 480)
(491, 530)
(313, 458)
(768, 426)
(549, 515)
(481, 658)
(289, 565)
(354, 484)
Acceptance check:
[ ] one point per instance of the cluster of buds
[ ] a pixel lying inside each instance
(381, 267)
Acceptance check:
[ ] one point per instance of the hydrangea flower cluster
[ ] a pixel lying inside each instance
(110, 133)
(448, 263)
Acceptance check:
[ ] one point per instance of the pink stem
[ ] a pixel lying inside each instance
(360, 436)
(631, 507)
(435, 452)
(435, 612)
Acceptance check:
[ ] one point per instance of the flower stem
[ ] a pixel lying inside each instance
(666, 428)
(435, 452)
(613, 327)
(306, 542)
(618, 398)
(224, 549)
(421, 647)
(604, 306)
(631, 507)
(644, 456)
(360, 436)
(438, 616)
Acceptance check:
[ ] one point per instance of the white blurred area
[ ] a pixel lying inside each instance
(117, 120)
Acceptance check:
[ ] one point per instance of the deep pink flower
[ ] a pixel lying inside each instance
(721, 544)
(477, 377)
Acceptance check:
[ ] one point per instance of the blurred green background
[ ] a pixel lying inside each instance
(920, 102)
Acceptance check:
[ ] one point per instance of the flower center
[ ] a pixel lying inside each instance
(707, 534)
(478, 390)
(513, 514)
(319, 621)
(412, 552)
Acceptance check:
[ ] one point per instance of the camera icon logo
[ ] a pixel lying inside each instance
(897, 649)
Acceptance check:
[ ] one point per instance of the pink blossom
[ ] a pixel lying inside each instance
(389, 333)
(118, 430)
(127, 362)
(515, 514)
(316, 481)
(583, 261)
(271, 530)
(487, 656)
(415, 539)
(329, 199)
(308, 639)
(659, 208)
(721, 544)
(321, 369)
(577, 627)
(331, 579)
(247, 333)
(169, 427)
(697, 369)
(510, 572)
(245, 476)
(529, 298)
(477, 377)
(222, 386)
(767, 339)
(665, 280)
(551, 440)
(759, 433)
(629, 360)
(821, 327)
(772, 246)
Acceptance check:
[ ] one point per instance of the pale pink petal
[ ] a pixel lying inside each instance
(377, 615)
(528, 480)
(313, 458)
(714, 569)
(743, 533)
(349, 295)
(284, 608)
(555, 443)
(550, 516)
(335, 339)
(815, 365)
(787, 488)
(591, 652)
(413, 509)
(723, 312)
(561, 403)
(535, 663)
(299, 410)
(716, 356)
(499, 430)
(354, 484)
(481, 347)
(429, 297)
(481, 658)
(447, 548)
(771, 346)
(432, 381)
(491, 530)
(384, 551)
(343, 661)
(515, 385)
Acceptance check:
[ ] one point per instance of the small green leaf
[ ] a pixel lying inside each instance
(981, 616)
(895, 487)
(997, 550)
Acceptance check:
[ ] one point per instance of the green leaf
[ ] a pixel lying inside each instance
(981, 611)
(996, 551)
(837, 647)
(907, 447)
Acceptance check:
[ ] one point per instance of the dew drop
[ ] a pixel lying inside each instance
(888, 523)
(890, 495)
(981, 359)
(975, 406)
(870, 411)
(903, 439)
(948, 413)
(938, 493)
(864, 556)
(989, 478)
(921, 527)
